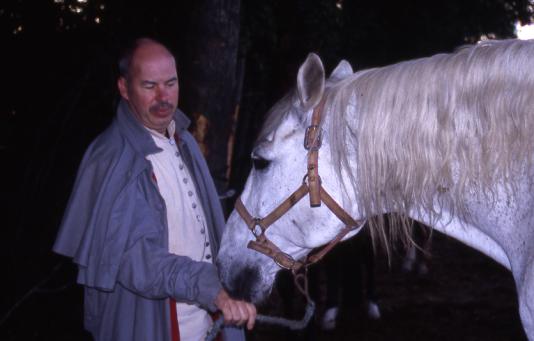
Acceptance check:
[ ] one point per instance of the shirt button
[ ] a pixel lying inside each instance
(207, 244)
(185, 180)
(190, 193)
(202, 231)
(194, 205)
(181, 166)
(208, 256)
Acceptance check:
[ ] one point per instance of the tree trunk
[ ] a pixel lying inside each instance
(208, 75)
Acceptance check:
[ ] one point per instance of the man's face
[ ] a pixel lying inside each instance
(152, 86)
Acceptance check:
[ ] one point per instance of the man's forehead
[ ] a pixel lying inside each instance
(155, 67)
(153, 64)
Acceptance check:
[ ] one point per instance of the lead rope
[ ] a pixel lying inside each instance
(301, 282)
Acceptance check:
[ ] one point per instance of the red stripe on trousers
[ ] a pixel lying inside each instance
(175, 330)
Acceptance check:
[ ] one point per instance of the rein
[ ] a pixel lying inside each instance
(280, 321)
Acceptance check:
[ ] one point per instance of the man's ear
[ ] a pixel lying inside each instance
(122, 84)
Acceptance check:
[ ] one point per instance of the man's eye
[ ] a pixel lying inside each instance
(260, 163)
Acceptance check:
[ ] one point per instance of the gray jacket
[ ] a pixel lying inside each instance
(115, 229)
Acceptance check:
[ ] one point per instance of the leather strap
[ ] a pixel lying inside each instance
(314, 258)
(268, 248)
(312, 143)
(279, 211)
(337, 210)
(284, 206)
(243, 213)
(262, 244)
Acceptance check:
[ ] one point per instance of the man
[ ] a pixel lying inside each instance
(144, 220)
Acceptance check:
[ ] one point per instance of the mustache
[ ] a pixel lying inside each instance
(161, 105)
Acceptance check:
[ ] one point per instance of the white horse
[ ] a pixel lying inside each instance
(446, 140)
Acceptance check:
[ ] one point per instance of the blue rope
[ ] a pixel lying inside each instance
(280, 321)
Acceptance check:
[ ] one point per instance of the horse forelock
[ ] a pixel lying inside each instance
(275, 116)
(435, 126)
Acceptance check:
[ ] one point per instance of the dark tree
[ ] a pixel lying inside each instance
(208, 72)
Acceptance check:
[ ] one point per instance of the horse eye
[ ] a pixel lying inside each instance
(260, 163)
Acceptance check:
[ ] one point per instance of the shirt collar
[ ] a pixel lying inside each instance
(171, 130)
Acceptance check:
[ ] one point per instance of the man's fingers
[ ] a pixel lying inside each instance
(234, 311)
(239, 313)
(243, 313)
(231, 312)
(251, 315)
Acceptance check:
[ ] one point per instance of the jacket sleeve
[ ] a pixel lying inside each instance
(146, 267)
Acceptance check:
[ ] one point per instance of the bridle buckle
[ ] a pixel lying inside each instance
(313, 137)
(284, 260)
(256, 228)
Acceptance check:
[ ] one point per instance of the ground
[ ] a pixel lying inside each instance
(465, 296)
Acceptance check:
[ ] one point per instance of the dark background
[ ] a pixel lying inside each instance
(235, 58)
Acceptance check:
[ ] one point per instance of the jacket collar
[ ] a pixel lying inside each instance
(137, 135)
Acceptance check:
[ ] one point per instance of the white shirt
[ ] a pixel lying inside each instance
(186, 221)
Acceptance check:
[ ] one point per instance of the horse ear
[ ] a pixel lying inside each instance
(310, 81)
(342, 70)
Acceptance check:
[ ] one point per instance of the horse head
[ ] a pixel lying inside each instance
(280, 163)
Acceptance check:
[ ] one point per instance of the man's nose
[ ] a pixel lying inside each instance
(162, 94)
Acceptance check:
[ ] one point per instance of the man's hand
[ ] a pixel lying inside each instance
(235, 311)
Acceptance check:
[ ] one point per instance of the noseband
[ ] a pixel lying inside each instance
(311, 184)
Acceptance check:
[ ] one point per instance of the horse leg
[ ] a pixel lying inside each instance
(526, 298)
(412, 252)
(333, 270)
(417, 256)
(409, 259)
(425, 241)
(368, 264)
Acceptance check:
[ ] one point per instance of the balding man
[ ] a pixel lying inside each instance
(144, 221)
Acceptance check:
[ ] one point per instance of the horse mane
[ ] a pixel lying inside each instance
(424, 133)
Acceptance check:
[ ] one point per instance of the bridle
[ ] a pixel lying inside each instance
(311, 184)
